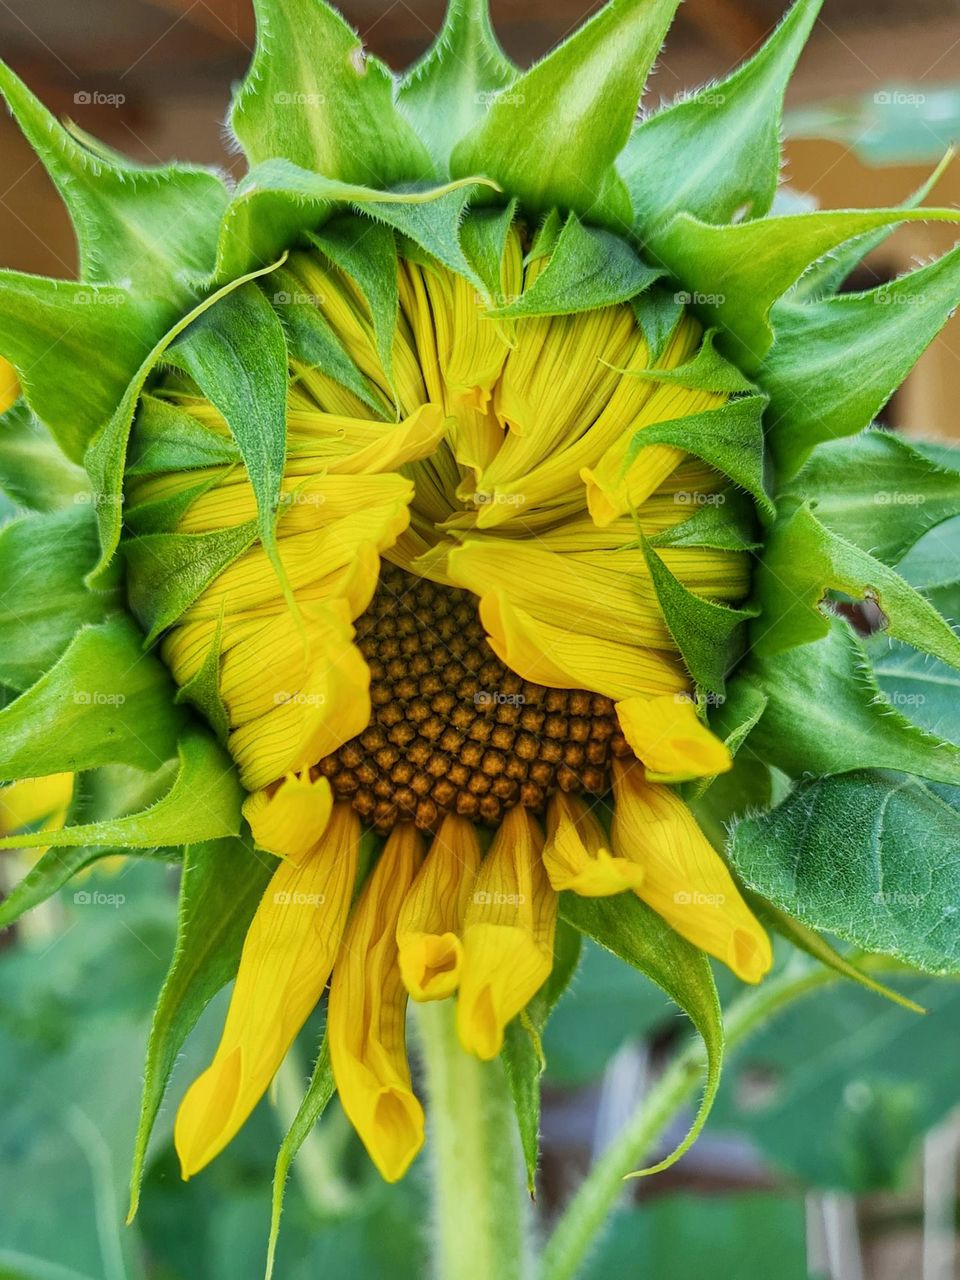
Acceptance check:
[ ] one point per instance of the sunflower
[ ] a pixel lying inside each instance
(467, 486)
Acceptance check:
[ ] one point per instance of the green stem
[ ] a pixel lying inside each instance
(479, 1211)
(588, 1211)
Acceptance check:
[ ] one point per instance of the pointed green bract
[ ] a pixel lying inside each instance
(43, 598)
(552, 138)
(589, 268)
(449, 90)
(237, 354)
(632, 931)
(804, 560)
(926, 690)
(880, 333)
(736, 273)
(879, 492)
(222, 884)
(154, 228)
(202, 804)
(826, 714)
(104, 701)
(168, 438)
(312, 96)
(707, 371)
(711, 637)
(717, 154)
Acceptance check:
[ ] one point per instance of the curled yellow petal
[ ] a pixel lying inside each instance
(669, 738)
(288, 819)
(508, 935)
(577, 852)
(289, 951)
(685, 881)
(35, 800)
(430, 928)
(365, 1021)
(9, 385)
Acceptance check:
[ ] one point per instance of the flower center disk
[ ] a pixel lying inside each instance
(453, 730)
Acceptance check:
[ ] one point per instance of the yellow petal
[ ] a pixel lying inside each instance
(289, 951)
(670, 739)
(9, 385)
(430, 928)
(365, 1021)
(577, 852)
(289, 818)
(686, 881)
(562, 659)
(35, 800)
(508, 935)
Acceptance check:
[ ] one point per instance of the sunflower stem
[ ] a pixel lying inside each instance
(479, 1211)
(588, 1212)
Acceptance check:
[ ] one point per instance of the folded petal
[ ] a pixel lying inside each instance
(685, 881)
(508, 935)
(430, 928)
(577, 852)
(289, 951)
(366, 1017)
(288, 819)
(669, 738)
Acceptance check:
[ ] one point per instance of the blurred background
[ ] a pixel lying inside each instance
(833, 1151)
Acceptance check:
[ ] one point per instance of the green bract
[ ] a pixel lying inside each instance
(181, 270)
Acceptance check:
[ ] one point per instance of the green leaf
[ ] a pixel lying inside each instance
(433, 224)
(866, 856)
(826, 276)
(43, 599)
(105, 459)
(105, 701)
(552, 139)
(736, 273)
(727, 521)
(881, 334)
(203, 804)
(826, 714)
(711, 637)
(75, 348)
(813, 944)
(523, 1051)
(448, 91)
(635, 933)
(367, 252)
(202, 690)
(168, 571)
(588, 269)
(312, 96)
(718, 152)
(222, 884)
(729, 438)
(33, 471)
(707, 371)
(154, 227)
(311, 339)
(237, 354)
(168, 438)
(320, 1090)
(879, 492)
(804, 560)
(918, 685)
(483, 235)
